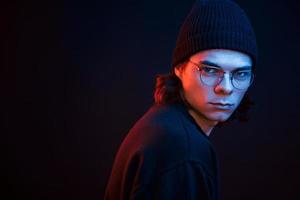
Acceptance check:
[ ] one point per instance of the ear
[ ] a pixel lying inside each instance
(178, 72)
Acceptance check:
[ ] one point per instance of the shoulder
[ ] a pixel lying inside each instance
(159, 132)
(167, 134)
(158, 117)
(161, 123)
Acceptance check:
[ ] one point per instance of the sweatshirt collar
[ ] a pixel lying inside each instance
(184, 110)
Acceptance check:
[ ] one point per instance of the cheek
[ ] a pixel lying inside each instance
(195, 92)
(238, 96)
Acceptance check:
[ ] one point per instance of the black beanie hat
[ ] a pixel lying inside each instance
(215, 24)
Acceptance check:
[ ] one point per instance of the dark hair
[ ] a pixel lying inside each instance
(168, 91)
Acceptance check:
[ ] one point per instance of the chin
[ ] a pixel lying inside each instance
(219, 117)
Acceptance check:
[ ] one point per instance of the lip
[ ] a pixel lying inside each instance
(222, 106)
(221, 103)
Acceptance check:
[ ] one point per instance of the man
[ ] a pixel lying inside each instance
(167, 154)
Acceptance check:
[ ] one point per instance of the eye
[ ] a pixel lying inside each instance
(240, 75)
(210, 70)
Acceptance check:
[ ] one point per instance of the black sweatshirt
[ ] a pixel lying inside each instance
(165, 156)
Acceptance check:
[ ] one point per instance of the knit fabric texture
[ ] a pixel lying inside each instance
(215, 24)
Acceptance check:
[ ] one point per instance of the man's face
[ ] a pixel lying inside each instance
(217, 102)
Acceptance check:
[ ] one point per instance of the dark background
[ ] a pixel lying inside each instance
(76, 75)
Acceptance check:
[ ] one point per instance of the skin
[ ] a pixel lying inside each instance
(200, 96)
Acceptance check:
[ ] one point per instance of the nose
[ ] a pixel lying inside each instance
(225, 86)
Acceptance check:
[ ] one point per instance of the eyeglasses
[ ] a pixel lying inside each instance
(240, 79)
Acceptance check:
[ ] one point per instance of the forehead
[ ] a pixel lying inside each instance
(225, 58)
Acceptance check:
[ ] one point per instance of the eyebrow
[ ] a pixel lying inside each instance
(206, 62)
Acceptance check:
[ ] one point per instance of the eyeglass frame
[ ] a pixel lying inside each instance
(222, 77)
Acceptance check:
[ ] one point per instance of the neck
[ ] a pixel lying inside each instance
(205, 124)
